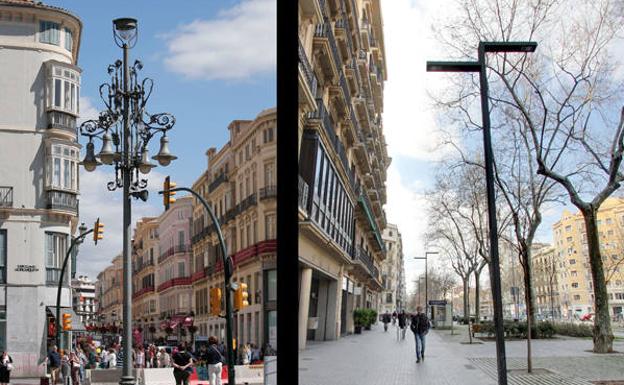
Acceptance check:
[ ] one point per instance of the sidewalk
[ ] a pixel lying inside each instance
(375, 357)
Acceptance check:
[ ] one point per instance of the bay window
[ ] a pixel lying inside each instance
(63, 87)
(49, 32)
(62, 167)
(56, 247)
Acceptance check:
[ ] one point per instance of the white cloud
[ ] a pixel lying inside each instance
(239, 43)
(87, 110)
(96, 201)
(406, 207)
(409, 119)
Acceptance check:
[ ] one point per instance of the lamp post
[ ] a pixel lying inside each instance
(480, 66)
(427, 253)
(125, 129)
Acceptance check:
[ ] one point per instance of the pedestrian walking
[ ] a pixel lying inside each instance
(54, 363)
(74, 364)
(214, 359)
(139, 361)
(111, 359)
(402, 327)
(394, 317)
(386, 320)
(65, 368)
(6, 365)
(182, 365)
(420, 326)
(84, 363)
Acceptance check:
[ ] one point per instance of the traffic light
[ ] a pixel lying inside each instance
(241, 297)
(67, 321)
(98, 231)
(167, 194)
(215, 301)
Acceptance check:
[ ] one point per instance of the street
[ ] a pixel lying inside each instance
(375, 357)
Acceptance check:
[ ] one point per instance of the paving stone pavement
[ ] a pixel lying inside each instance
(375, 357)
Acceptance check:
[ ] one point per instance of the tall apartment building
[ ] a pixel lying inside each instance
(545, 269)
(109, 293)
(575, 281)
(173, 274)
(39, 85)
(392, 271)
(342, 166)
(145, 253)
(83, 299)
(240, 184)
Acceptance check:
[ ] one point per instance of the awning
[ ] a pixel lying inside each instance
(77, 326)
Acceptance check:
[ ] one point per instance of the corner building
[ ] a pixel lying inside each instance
(240, 184)
(39, 91)
(342, 164)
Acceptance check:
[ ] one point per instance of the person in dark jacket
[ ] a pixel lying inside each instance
(420, 327)
(386, 320)
(182, 365)
(6, 365)
(54, 364)
(402, 318)
(214, 359)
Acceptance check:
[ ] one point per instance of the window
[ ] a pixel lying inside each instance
(3, 256)
(69, 39)
(63, 90)
(575, 285)
(181, 238)
(269, 226)
(269, 174)
(619, 295)
(49, 33)
(388, 297)
(577, 297)
(56, 248)
(62, 163)
(572, 261)
(272, 285)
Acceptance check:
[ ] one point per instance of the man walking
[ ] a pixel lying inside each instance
(420, 327)
(402, 317)
(54, 363)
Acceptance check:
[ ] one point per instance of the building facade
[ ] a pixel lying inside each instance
(83, 299)
(545, 270)
(342, 164)
(173, 275)
(109, 294)
(575, 281)
(40, 83)
(145, 253)
(393, 296)
(240, 184)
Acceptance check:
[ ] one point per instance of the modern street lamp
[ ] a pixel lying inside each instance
(125, 129)
(480, 66)
(427, 253)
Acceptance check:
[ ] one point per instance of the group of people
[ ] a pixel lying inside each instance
(419, 324)
(69, 366)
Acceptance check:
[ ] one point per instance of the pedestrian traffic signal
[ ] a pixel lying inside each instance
(167, 194)
(215, 301)
(241, 297)
(98, 231)
(67, 319)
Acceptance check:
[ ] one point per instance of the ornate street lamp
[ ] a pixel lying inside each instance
(125, 129)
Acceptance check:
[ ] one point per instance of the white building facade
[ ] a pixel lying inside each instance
(83, 299)
(39, 85)
(393, 295)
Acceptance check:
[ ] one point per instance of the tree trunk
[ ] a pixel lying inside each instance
(525, 255)
(603, 335)
(466, 299)
(477, 274)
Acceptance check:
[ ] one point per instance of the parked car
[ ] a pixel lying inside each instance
(587, 317)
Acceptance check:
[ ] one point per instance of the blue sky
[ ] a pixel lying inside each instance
(212, 62)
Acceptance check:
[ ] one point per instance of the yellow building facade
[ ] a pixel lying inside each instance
(575, 281)
(342, 166)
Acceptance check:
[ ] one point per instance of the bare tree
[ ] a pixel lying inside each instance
(562, 99)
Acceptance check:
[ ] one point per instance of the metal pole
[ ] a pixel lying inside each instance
(126, 378)
(426, 288)
(74, 241)
(227, 269)
(495, 265)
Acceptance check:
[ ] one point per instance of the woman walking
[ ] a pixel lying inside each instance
(74, 363)
(6, 365)
(214, 359)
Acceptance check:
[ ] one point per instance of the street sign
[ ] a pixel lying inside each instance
(437, 302)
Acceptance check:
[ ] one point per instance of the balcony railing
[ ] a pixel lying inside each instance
(364, 257)
(322, 114)
(62, 121)
(61, 200)
(303, 194)
(173, 250)
(306, 68)
(247, 203)
(139, 293)
(324, 30)
(268, 192)
(217, 182)
(182, 281)
(143, 265)
(6, 196)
